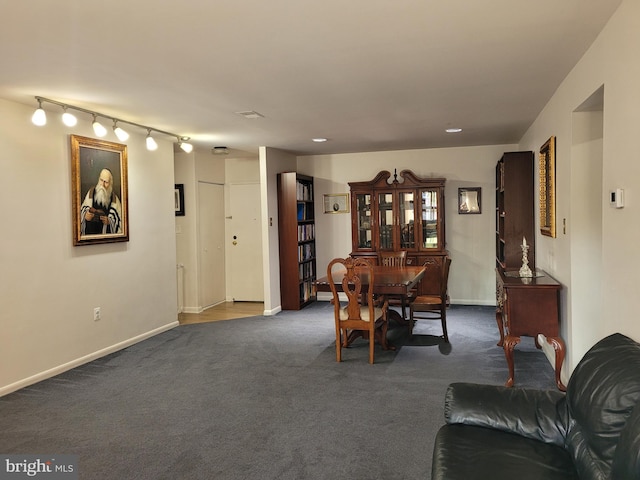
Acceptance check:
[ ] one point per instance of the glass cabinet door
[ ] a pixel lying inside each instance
(364, 222)
(385, 221)
(406, 220)
(429, 206)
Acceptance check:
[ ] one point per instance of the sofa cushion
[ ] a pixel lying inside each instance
(464, 452)
(601, 394)
(531, 413)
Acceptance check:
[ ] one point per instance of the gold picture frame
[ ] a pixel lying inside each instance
(547, 169)
(336, 203)
(100, 192)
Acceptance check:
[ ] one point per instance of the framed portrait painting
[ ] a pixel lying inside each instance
(99, 190)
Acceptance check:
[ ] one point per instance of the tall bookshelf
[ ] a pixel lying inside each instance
(296, 228)
(515, 219)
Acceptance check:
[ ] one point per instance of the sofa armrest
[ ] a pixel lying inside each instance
(537, 414)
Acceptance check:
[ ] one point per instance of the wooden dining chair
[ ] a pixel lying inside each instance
(427, 306)
(361, 316)
(395, 259)
(392, 259)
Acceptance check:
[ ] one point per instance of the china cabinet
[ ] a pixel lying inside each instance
(399, 212)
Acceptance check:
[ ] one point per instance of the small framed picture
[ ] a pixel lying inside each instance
(178, 199)
(470, 200)
(336, 203)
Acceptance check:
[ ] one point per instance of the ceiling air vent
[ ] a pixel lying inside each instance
(220, 150)
(250, 114)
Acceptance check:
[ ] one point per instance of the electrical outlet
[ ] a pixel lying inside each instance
(96, 314)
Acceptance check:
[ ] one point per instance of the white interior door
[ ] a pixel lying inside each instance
(244, 241)
(211, 261)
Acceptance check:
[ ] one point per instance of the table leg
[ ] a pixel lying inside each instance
(509, 344)
(558, 346)
(380, 337)
(500, 322)
(399, 319)
(351, 337)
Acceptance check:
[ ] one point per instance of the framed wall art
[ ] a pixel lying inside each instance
(100, 194)
(336, 203)
(547, 168)
(470, 200)
(179, 199)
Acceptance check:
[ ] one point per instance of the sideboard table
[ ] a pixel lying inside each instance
(528, 307)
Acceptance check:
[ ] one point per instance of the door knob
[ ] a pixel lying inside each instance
(234, 242)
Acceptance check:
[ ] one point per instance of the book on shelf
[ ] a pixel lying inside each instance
(306, 232)
(304, 191)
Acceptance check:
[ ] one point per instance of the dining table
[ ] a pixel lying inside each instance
(388, 281)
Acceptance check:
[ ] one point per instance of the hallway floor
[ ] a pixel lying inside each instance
(223, 311)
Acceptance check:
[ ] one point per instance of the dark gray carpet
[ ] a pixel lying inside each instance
(262, 398)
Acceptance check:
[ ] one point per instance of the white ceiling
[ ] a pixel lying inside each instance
(369, 75)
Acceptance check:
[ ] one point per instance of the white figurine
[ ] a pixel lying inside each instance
(525, 271)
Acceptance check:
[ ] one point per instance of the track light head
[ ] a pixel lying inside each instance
(39, 118)
(98, 128)
(151, 143)
(120, 133)
(69, 119)
(182, 143)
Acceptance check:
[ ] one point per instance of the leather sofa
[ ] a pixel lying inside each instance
(592, 432)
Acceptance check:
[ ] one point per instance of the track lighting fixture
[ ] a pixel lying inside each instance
(120, 133)
(69, 119)
(151, 143)
(98, 128)
(182, 143)
(39, 118)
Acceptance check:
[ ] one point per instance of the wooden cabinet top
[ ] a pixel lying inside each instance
(542, 280)
(409, 180)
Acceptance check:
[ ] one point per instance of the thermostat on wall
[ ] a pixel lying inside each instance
(617, 198)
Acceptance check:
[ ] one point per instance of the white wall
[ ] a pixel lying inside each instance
(48, 287)
(611, 61)
(191, 168)
(186, 231)
(272, 162)
(470, 238)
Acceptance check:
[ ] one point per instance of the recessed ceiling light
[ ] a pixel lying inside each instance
(453, 130)
(319, 140)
